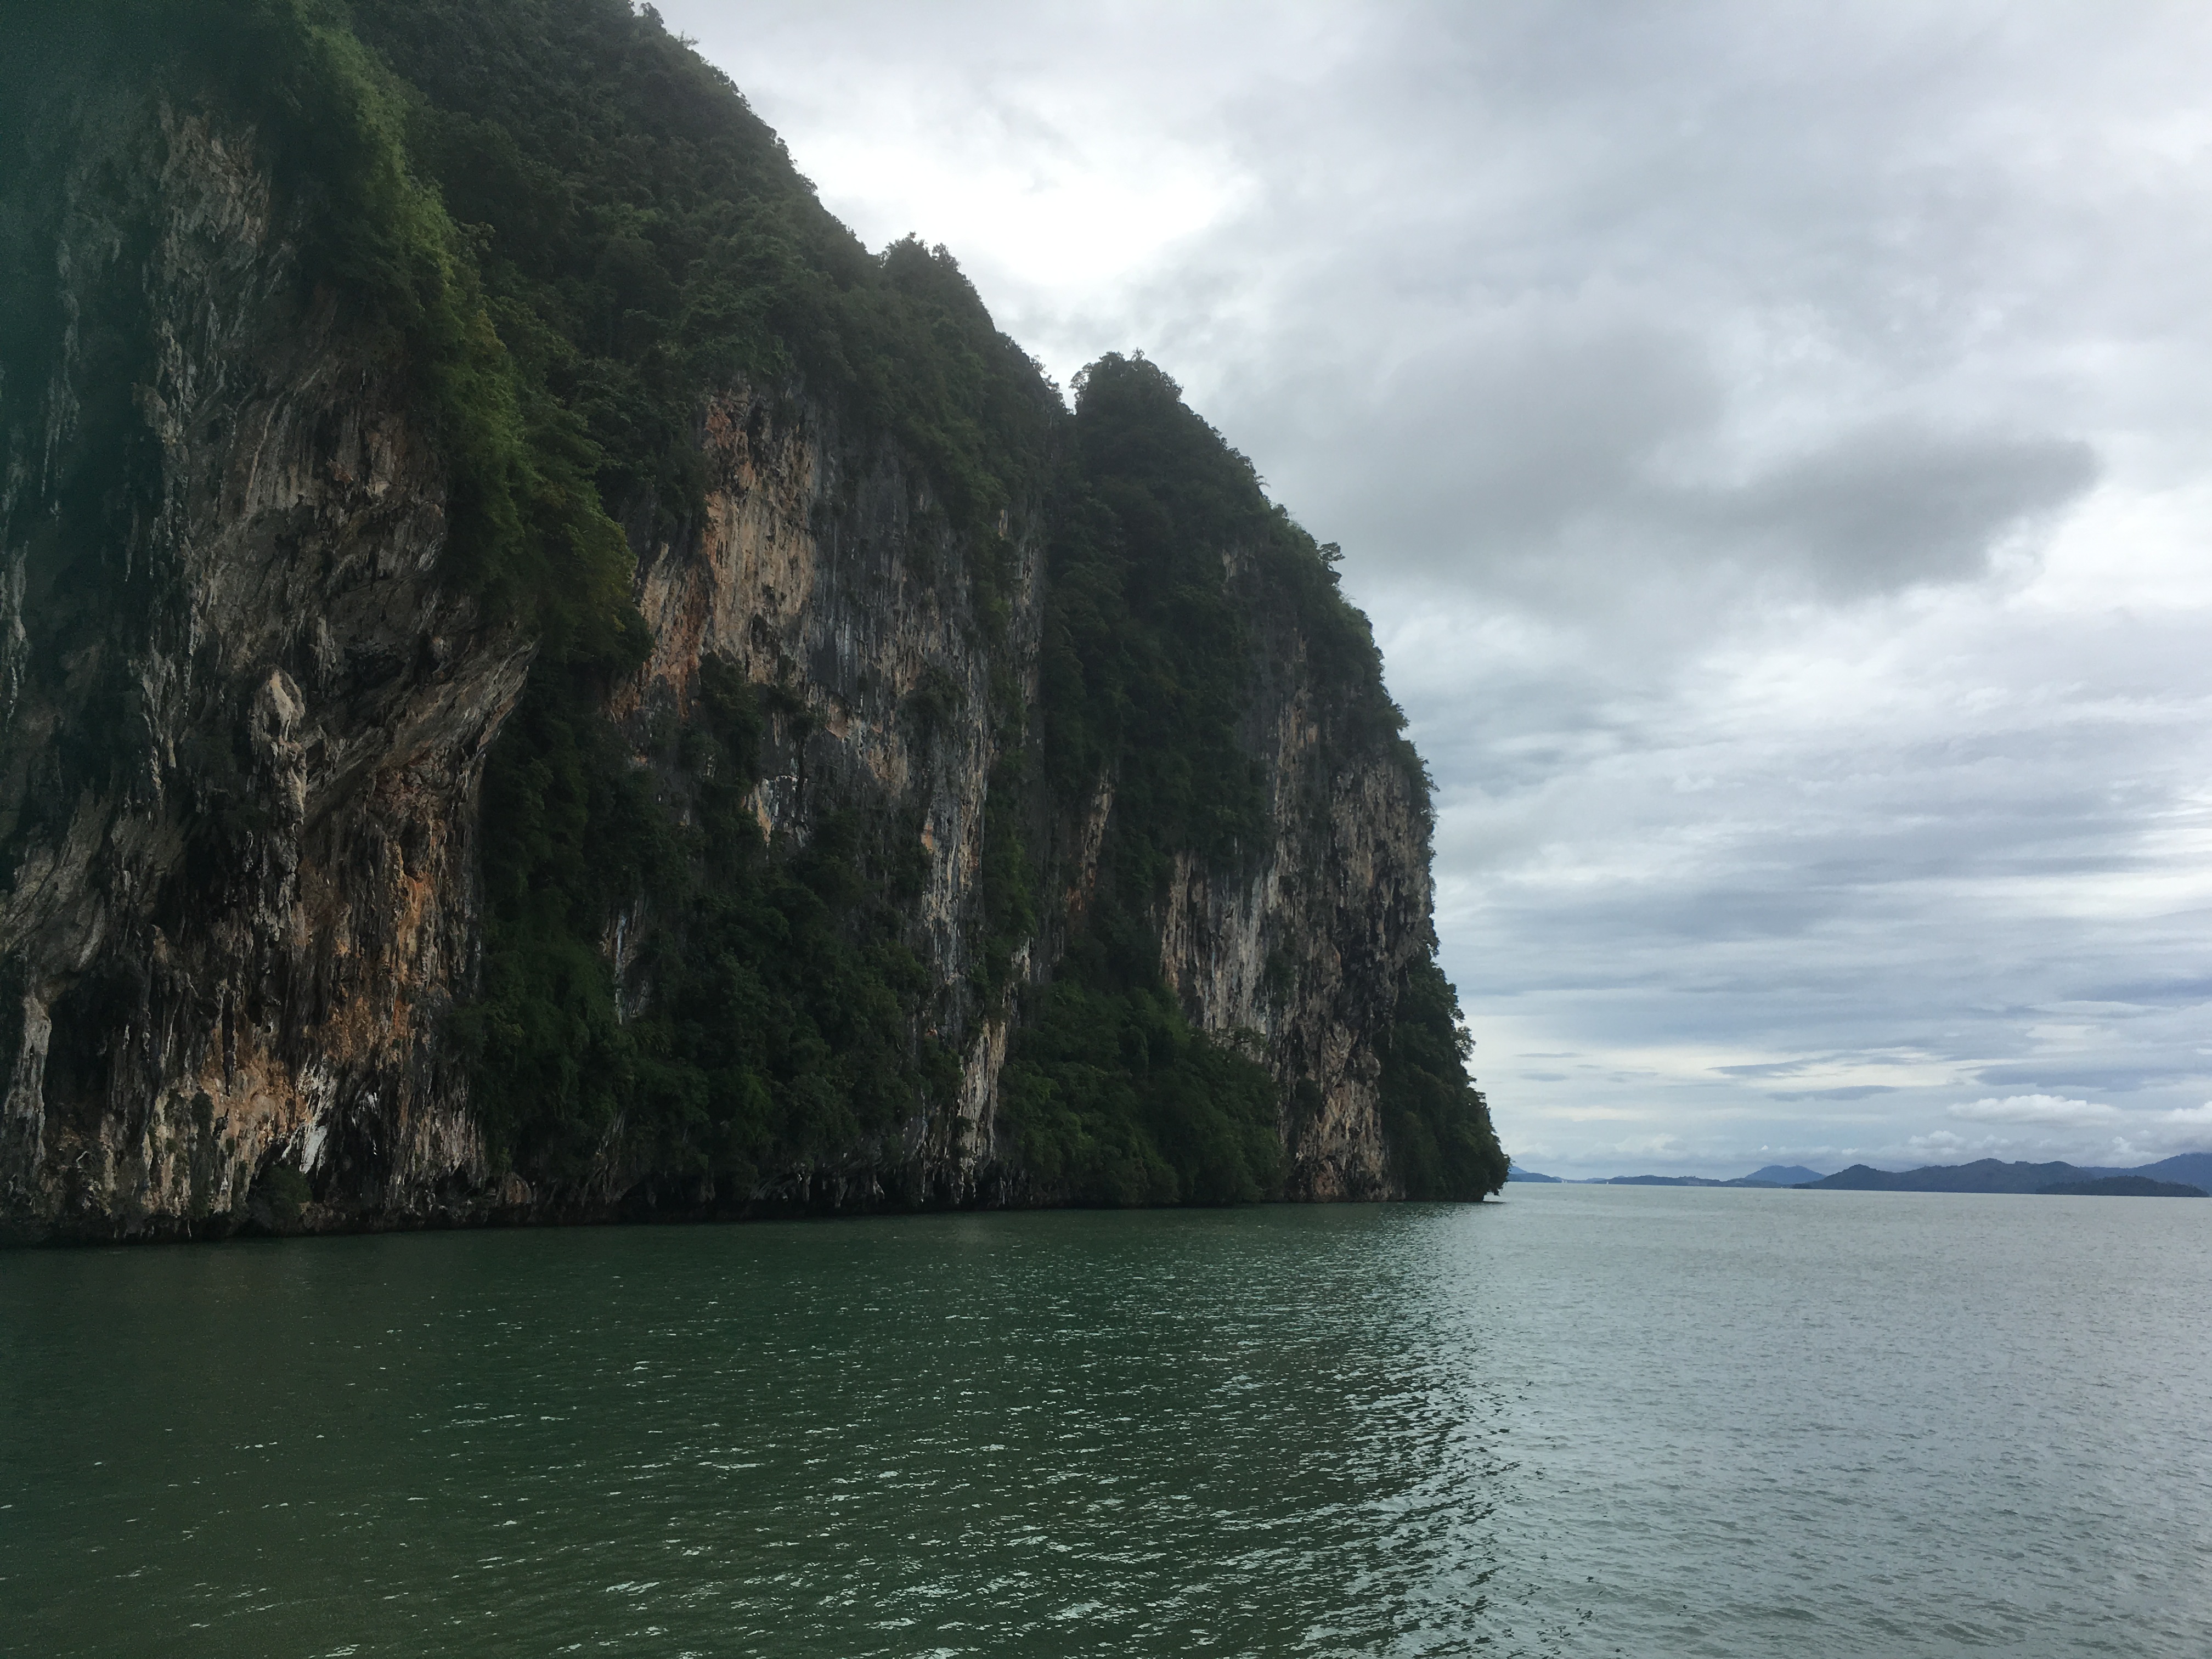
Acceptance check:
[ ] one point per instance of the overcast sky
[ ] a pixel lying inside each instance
(1774, 443)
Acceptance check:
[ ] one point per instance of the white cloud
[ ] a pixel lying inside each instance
(1771, 442)
(2037, 1108)
(2041, 1128)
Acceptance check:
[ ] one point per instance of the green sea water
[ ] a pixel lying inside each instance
(1583, 1421)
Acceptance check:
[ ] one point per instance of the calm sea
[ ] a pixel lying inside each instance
(1585, 1420)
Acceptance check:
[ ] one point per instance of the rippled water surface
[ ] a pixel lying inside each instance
(1586, 1421)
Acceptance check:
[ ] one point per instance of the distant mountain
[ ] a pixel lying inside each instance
(2126, 1186)
(2173, 1177)
(2191, 1169)
(1774, 1174)
(1778, 1175)
(1988, 1174)
(1985, 1176)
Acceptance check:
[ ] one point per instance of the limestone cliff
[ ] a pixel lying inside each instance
(956, 800)
(244, 725)
(1309, 948)
(817, 569)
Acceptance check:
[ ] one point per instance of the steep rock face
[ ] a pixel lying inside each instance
(818, 569)
(244, 721)
(1308, 949)
(250, 925)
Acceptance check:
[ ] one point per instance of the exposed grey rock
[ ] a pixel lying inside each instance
(244, 795)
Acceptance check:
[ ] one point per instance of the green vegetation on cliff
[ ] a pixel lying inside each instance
(1111, 1094)
(1436, 1121)
(779, 1029)
(1147, 669)
(572, 232)
(643, 240)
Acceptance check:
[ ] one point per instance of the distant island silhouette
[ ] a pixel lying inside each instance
(2188, 1175)
(1988, 1174)
(2124, 1187)
(1773, 1175)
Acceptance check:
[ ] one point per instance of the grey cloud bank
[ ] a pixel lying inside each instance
(1770, 440)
